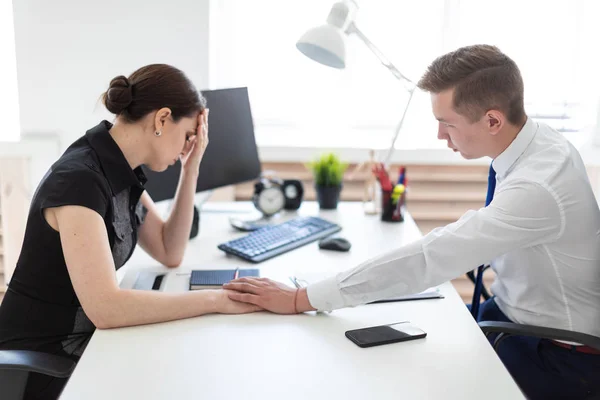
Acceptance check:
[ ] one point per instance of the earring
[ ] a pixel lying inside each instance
(158, 133)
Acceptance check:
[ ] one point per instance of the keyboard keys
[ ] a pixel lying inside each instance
(270, 241)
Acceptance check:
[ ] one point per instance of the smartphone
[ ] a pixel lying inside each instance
(385, 334)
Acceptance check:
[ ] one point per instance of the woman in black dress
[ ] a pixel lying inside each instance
(89, 212)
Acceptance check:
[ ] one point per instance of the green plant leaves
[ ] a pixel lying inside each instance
(328, 170)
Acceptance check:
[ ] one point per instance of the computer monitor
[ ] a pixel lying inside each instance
(231, 156)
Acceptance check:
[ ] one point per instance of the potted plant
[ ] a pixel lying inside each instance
(328, 172)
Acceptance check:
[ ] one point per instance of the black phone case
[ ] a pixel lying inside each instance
(382, 342)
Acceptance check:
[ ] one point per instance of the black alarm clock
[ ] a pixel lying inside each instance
(293, 192)
(268, 196)
(271, 195)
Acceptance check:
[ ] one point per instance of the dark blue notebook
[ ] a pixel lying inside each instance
(214, 279)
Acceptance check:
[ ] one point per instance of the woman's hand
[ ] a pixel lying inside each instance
(196, 145)
(227, 306)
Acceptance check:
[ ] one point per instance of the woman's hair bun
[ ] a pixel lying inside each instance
(151, 88)
(118, 96)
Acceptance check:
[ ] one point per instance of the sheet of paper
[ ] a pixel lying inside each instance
(304, 279)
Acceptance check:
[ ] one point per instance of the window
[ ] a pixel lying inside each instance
(297, 101)
(552, 42)
(9, 101)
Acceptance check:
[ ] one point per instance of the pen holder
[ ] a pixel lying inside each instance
(392, 209)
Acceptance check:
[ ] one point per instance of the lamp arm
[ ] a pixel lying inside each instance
(408, 84)
(352, 28)
(398, 128)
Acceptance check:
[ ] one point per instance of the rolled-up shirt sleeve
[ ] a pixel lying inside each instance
(522, 214)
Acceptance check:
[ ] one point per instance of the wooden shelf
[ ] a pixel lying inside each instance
(447, 196)
(438, 194)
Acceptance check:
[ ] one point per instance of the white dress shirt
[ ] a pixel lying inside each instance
(541, 234)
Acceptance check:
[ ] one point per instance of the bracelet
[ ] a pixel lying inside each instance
(295, 301)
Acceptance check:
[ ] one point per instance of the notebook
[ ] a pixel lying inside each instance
(428, 294)
(214, 279)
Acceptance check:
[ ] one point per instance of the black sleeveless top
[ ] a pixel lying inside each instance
(40, 310)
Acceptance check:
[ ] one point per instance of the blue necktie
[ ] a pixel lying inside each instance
(479, 279)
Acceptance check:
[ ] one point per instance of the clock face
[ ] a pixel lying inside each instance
(291, 192)
(271, 200)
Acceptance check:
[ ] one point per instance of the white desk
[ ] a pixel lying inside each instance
(268, 356)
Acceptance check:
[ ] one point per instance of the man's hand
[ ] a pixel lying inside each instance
(269, 295)
(196, 146)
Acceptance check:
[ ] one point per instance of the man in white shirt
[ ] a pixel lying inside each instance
(541, 231)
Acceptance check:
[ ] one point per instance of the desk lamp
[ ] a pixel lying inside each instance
(326, 44)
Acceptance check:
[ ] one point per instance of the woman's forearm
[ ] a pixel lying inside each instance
(138, 307)
(176, 231)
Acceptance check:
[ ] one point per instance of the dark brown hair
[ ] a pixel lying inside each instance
(483, 78)
(151, 88)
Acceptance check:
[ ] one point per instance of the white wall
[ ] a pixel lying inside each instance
(8, 78)
(69, 50)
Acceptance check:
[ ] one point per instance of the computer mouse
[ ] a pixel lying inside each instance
(335, 243)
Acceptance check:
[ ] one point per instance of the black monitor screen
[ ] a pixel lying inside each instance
(231, 156)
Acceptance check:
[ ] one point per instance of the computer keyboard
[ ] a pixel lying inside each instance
(271, 241)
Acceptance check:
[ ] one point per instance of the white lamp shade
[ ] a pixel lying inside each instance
(325, 44)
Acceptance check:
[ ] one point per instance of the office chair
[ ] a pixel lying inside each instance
(15, 366)
(507, 329)
(471, 275)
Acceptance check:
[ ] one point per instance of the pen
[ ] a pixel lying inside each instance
(383, 177)
(236, 274)
(295, 282)
(401, 175)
